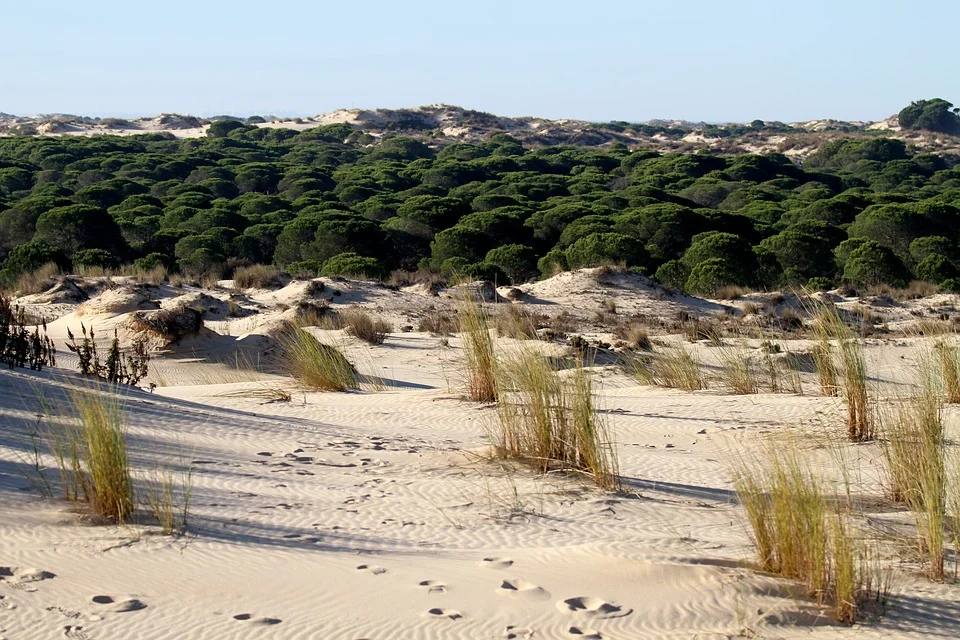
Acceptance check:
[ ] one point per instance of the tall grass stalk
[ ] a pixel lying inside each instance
(479, 351)
(551, 422)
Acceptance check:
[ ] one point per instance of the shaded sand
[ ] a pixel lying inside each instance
(377, 515)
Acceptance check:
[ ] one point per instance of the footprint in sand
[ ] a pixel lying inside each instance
(514, 632)
(496, 563)
(75, 632)
(585, 633)
(21, 578)
(451, 614)
(121, 605)
(593, 607)
(372, 568)
(248, 617)
(433, 586)
(522, 588)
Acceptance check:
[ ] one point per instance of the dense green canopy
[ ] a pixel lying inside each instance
(331, 199)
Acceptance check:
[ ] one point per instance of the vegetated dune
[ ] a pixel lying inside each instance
(379, 514)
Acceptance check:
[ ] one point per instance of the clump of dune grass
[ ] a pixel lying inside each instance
(168, 499)
(799, 533)
(36, 281)
(91, 454)
(550, 422)
(848, 364)
(672, 367)
(314, 364)
(738, 373)
(635, 335)
(948, 359)
(914, 450)
(518, 323)
(108, 470)
(260, 276)
(362, 325)
(824, 326)
(481, 361)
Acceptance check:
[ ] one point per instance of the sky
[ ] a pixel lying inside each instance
(710, 60)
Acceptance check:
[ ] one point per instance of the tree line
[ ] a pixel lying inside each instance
(334, 200)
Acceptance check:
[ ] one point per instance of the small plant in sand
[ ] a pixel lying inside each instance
(479, 351)
(550, 421)
(168, 499)
(119, 367)
(362, 325)
(20, 347)
(799, 534)
(914, 450)
(672, 367)
(823, 356)
(316, 365)
(91, 454)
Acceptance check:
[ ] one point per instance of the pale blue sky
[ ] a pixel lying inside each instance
(714, 60)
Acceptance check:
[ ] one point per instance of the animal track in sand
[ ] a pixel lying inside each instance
(586, 633)
(522, 588)
(119, 606)
(437, 612)
(372, 568)
(496, 563)
(248, 617)
(433, 586)
(593, 607)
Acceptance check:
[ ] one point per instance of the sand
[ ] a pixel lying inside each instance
(378, 514)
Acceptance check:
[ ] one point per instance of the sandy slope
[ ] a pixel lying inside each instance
(375, 514)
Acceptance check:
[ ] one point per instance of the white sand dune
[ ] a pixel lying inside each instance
(376, 514)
